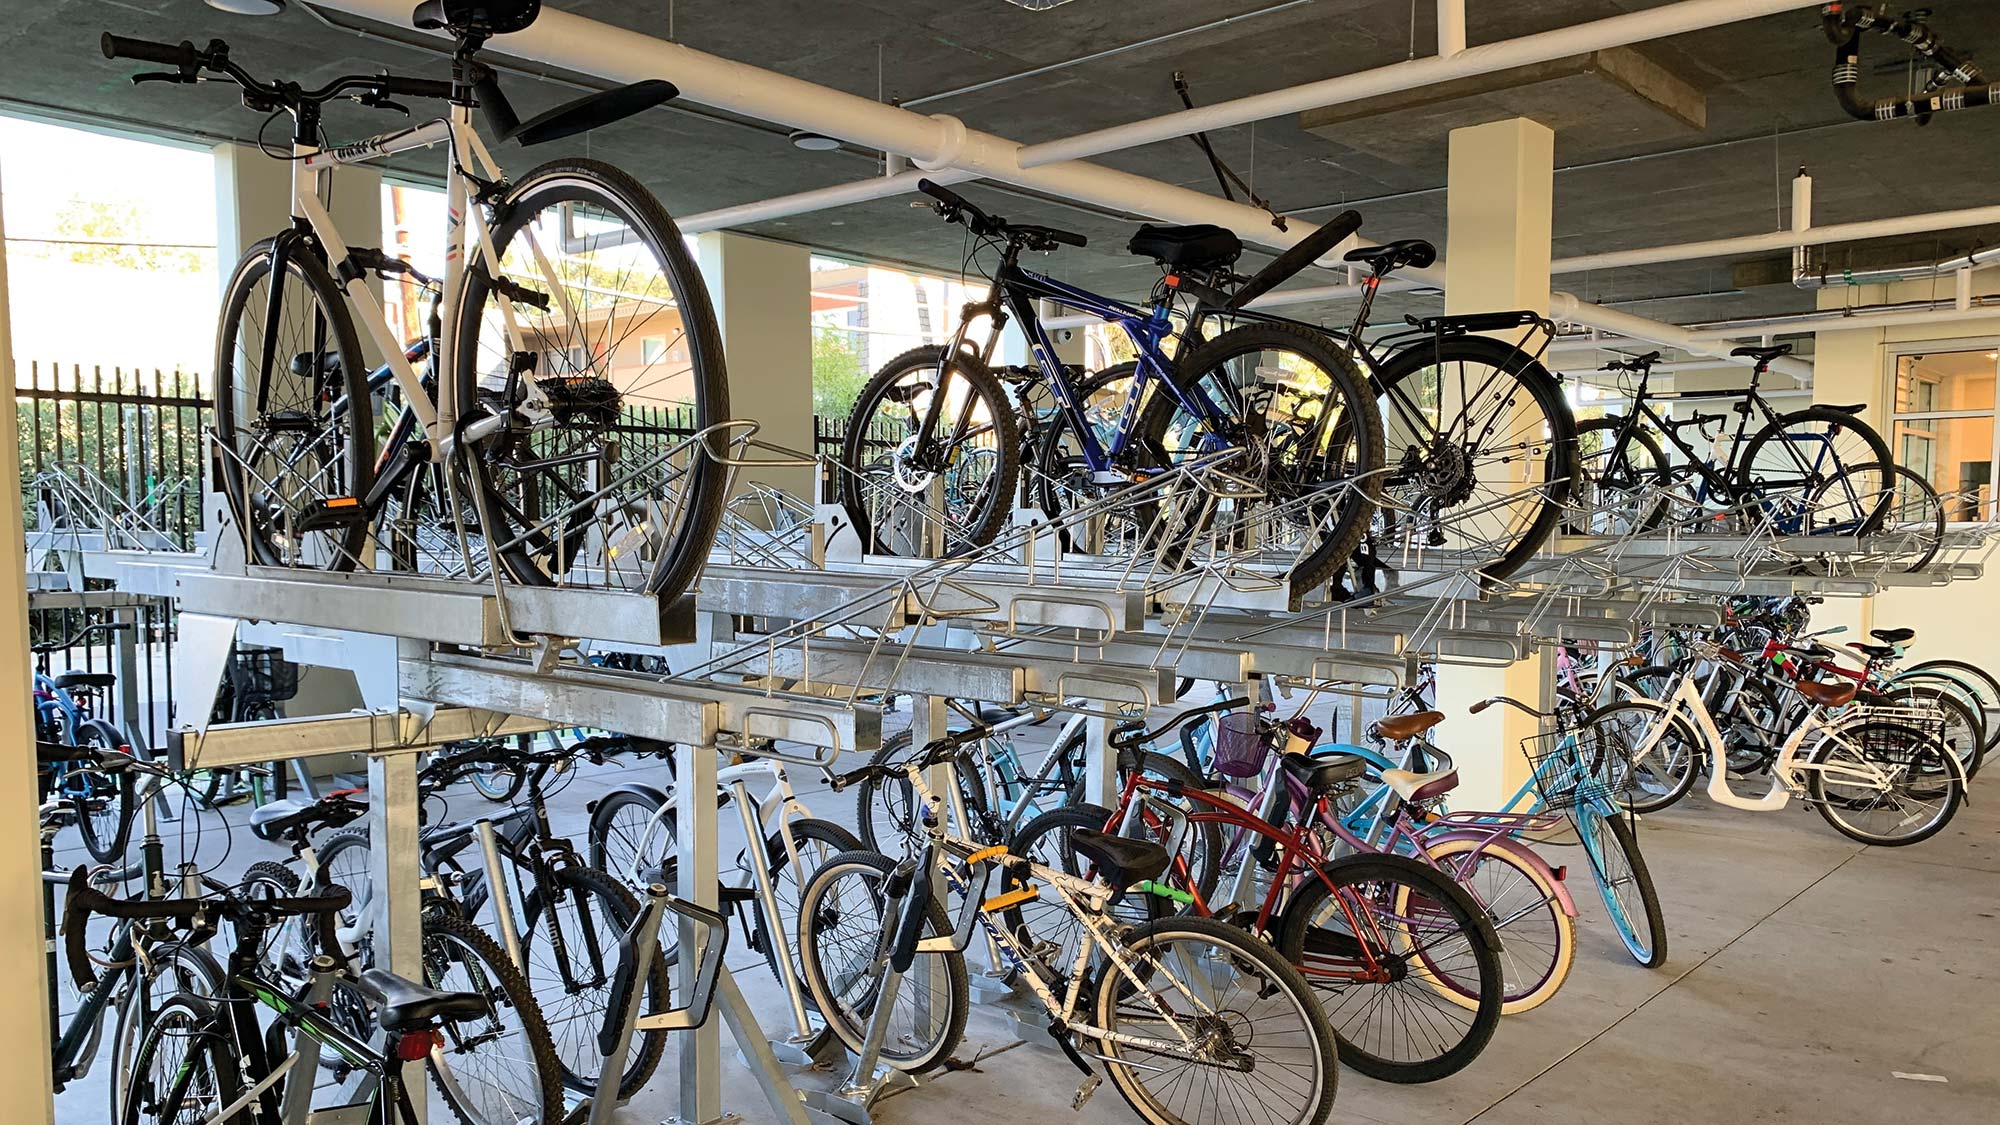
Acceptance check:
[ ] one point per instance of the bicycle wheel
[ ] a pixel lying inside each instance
(290, 445)
(606, 489)
(499, 1068)
(185, 1070)
(1624, 882)
(1963, 734)
(102, 816)
(1667, 771)
(1537, 937)
(1380, 939)
(1817, 470)
(1062, 480)
(1976, 678)
(1907, 515)
(631, 838)
(817, 841)
(843, 917)
(1883, 783)
(1045, 925)
(886, 486)
(171, 968)
(569, 949)
(1616, 496)
(1304, 485)
(1264, 1050)
(885, 811)
(1481, 449)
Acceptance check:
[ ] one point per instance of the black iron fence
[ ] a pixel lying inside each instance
(132, 434)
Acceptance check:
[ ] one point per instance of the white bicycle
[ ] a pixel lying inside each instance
(1878, 774)
(571, 374)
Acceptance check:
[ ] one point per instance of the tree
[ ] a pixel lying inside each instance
(837, 373)
(102, 232)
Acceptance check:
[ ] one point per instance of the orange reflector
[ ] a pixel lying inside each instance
(342, 502)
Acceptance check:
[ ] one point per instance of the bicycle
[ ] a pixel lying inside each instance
(66, 713)
(1820, 470)
(634, 834)
(206, 1060)
(557, 465)
(1868, 760)
(998, 790)
(1295, 410)
(1379, 938)
(1150, 1003)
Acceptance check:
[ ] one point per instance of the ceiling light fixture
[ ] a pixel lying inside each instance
(813, 142)
(249, 7)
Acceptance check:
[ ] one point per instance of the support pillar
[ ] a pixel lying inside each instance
(1499, 209)
(762, 292)
(253, 201)
(26, 1094)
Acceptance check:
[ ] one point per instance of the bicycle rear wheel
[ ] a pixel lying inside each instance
(1616, 489)
(1264, 1049)
(1624, 882)
(1907, 515)
(1380, 939)
(499, 1068)
(185, 1070)
(1670, 766)
(1481, 449)
(1819, 471)
(1916, 796)
(103, 817)
(1537, 937)
(606, 489)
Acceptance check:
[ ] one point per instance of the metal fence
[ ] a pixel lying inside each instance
(137, 432)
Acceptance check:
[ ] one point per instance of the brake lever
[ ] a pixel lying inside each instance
(377, 101)
(163, 76)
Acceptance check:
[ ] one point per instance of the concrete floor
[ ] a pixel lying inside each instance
(1805, 974)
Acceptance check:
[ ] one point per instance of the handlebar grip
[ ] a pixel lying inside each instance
(180, 54)
(1068, 238)
(76, 918)
(941, 193)
(416, 87)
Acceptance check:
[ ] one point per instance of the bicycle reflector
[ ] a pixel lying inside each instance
(416, 1045)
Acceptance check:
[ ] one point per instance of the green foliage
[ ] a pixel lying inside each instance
(105, 233)
(837, 371)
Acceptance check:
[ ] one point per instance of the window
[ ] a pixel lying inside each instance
(1943, 424)
(863, 316)
(652, 349)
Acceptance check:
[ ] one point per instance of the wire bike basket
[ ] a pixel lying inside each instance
(1568, 767)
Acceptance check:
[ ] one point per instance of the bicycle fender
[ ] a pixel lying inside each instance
(1522, 852)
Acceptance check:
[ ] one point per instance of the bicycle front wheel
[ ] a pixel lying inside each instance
(290, 443)
(185, 1070)
(1624, 882)
(1617, 490)
(498, 1068)
(1382, 939)
(843, 914)
(570, 950)
(1263, 1050)
(1664, 773)
(593, 337)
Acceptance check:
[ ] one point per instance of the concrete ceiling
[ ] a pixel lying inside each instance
(1621, 183)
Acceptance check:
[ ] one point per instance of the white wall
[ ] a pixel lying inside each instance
(1955, 621)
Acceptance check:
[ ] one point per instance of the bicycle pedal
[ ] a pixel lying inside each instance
(1085, 1089)
(331, 514)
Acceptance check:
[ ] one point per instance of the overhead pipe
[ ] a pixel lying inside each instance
(1487, 58)
(1569, 307)
(1910, 314)
(1779, 240)
(1451, 27)
(1844, 24)
(1826, 278)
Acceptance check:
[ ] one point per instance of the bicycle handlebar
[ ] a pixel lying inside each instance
(1138, 736)
(76, 638)
(1492, 699)
(1638, 363)
(932, 753)
(182, 54)
(84, 900)
(955, 208)
(189, 61)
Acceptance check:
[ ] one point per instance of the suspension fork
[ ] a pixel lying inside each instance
(994, 309)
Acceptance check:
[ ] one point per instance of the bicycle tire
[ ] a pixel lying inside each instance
(1826, 803)
(1242, 954)
(1649, 949)
(1531, 975)
(1982, 681)
(614, 848)
(195, 971)
(107, 828)
(578, 1011)
(774, 940)
(1911, 515)
(846, 995)
(1559, 464)
(338, 548)
(1956, 686)
(493, 975)
(1964, 733)
(1045, 923)
(1458, 942)
(1357, 441)
(694, 502)
(194, 1022)
(1061, 470)
(888, 803)
(1677, 774)
(1594, 467)
(994, 502)
(1750, 482)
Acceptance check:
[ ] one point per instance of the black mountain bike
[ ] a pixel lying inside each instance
(1821, 470)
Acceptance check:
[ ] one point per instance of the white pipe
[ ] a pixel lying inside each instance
(1779, 240)
(1487, 58)
(861, 191)
(1451, 27)
(1801, 218)
(1276, 299)
(1569, 307)
(1837, 321)
(1963, 293)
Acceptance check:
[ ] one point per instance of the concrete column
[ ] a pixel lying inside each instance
(763, 298)
(26, 1095)
(1499, 206)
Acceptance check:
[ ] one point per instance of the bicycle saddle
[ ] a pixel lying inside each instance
(1198, 247)
(1323, 772)
(1874, 652)
(1893, 636)
(1120, 860)
(1395, 255)
(85, 680)
(1763, 355)
(1415, 787)
(1824, 694)
(476, 17)
(278, 819)
(402, 1005)
(1400, 727)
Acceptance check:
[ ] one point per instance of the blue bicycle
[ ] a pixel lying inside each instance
(67, 707)
(1299, 414)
